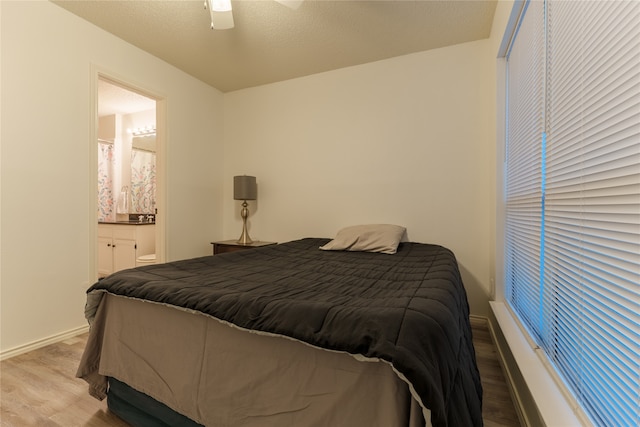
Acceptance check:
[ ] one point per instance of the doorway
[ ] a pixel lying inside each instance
(127, 168)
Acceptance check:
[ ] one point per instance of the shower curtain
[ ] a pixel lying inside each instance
(143, 181)
(106, 202)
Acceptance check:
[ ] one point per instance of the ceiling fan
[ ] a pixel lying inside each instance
(222, 16)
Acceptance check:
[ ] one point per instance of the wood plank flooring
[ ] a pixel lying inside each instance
(39, 388)
(497, 407)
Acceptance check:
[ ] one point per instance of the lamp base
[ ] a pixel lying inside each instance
(244, 237)
(244, 240)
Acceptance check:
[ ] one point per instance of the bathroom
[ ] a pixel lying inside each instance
(126, 178)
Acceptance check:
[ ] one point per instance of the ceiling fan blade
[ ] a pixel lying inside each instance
(222, 20)
(291, 4)
(221, 14)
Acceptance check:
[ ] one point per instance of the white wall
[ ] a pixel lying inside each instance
(409, 141)
(47, 55)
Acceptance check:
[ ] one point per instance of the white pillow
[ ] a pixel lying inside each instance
(382, 238)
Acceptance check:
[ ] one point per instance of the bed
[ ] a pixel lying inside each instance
(287, 335)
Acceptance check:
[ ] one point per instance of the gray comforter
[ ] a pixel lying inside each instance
(409, 309)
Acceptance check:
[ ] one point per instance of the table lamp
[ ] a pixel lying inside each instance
(244, 188)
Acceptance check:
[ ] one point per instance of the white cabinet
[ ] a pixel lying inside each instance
(124, 254)
(120, 245)
(105, 254)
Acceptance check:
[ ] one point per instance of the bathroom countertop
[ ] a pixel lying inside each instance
(126, 222)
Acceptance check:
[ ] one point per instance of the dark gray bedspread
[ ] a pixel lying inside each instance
(409, 309)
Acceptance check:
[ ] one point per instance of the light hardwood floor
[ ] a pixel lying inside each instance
(39, 388)
(497, 406)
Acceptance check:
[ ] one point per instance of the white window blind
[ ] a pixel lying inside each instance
(525, 127)
(587, 316)
(592, 210)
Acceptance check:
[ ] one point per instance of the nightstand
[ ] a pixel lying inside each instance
(233, 245)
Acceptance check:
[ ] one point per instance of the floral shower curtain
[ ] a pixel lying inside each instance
(106, 202)
(143, 181)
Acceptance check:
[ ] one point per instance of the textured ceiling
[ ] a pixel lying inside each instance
(271, 42)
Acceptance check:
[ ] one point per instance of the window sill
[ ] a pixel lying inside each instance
(549, 401)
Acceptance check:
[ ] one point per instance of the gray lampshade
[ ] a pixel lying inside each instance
(244, 187)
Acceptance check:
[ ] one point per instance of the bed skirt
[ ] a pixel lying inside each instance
(219, 375)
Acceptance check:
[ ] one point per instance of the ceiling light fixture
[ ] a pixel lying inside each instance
(221, 15)
(143, 131)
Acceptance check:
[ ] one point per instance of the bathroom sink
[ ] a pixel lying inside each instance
(130, 222)
(133, 222)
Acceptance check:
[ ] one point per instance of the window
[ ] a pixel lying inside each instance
(572, 197)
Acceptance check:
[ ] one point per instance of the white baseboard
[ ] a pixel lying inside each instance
(478, 318)
(43, 342)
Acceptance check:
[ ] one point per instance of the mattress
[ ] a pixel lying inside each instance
(408, 311)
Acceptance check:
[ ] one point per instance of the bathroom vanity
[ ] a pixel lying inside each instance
(121, 243)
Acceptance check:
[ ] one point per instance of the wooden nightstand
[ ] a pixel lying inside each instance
(233, 245)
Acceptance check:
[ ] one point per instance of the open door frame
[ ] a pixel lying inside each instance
(161, 163)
